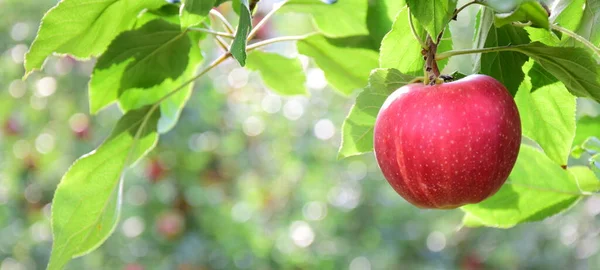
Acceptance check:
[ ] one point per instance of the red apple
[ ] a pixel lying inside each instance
(447, 145)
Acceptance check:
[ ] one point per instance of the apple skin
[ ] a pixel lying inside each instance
(443, 146)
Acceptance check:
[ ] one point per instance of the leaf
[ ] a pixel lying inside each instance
(194, 12)
(156, 56)
(528, 11)
(283, 75)
(536, 188)
(433, 15)
(83, 28)
(340, 19)
(399, 49)
(483, 25)
(345, 68)
(357, 130)
(568, 13)
(505, 66)
(87, 202)
(502, 6)
(575, 67)
(548, 117)
(380, 17)
(587, 126)
(540, 77)
(238, 47)
(585, 178)
(589, 27)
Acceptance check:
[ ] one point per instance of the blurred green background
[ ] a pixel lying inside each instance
(246, 180)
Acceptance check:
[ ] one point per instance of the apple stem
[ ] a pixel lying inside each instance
(432, 71)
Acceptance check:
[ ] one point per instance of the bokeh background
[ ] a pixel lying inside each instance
(246, 180)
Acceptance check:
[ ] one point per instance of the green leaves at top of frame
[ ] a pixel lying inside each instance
(401, 51)
(340, 19)
(283, 75)
(238, 47)
(83, 28)
(142, 66)
(536, 188)
(194, 12)
(357, 130)
(528, 11)
(433, 15)
(345, 68)
(87, 202)
(589, 27)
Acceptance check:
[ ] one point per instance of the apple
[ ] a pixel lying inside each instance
(450, 144)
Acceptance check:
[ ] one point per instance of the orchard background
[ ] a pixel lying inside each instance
(250, 176)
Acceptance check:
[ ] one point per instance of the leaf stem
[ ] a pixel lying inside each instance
(464, 6)
(264, 20)
(219, 40)
(224, 57)
(213, 32)
(216, 14)
(577, 37)
(448, 54)
(277, 39)
(414, 32)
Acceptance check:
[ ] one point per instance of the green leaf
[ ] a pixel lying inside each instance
(357, 130)
(433, 15)
(194, 12)
(472, 221)
(340, 19)
(83, 28)
(87, 202)
(529, 11)
(548, 117)
(238, 47)
(540, 77)
(159, 46)
(483, 25)
(505, 66)
(592, 145)
(575, 67)
(587, 126)
(536, 188)
(589, 27)
(568, 13)
(283, 75)
(380, 17)
(502, 6)
(346, 69)
(399, 49)
(585, 178)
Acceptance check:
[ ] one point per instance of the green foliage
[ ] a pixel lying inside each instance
(505, 66)
(399, 51)
(346, 68)
(87, 203)
(83, 28)
(357, 130)
(529, 11)
(238, 47)
(573, 66)
(194, 12)
(432, 15)
(340, 19)
(148, 56)
(536, 188)
(548, 117)
(283, 75)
